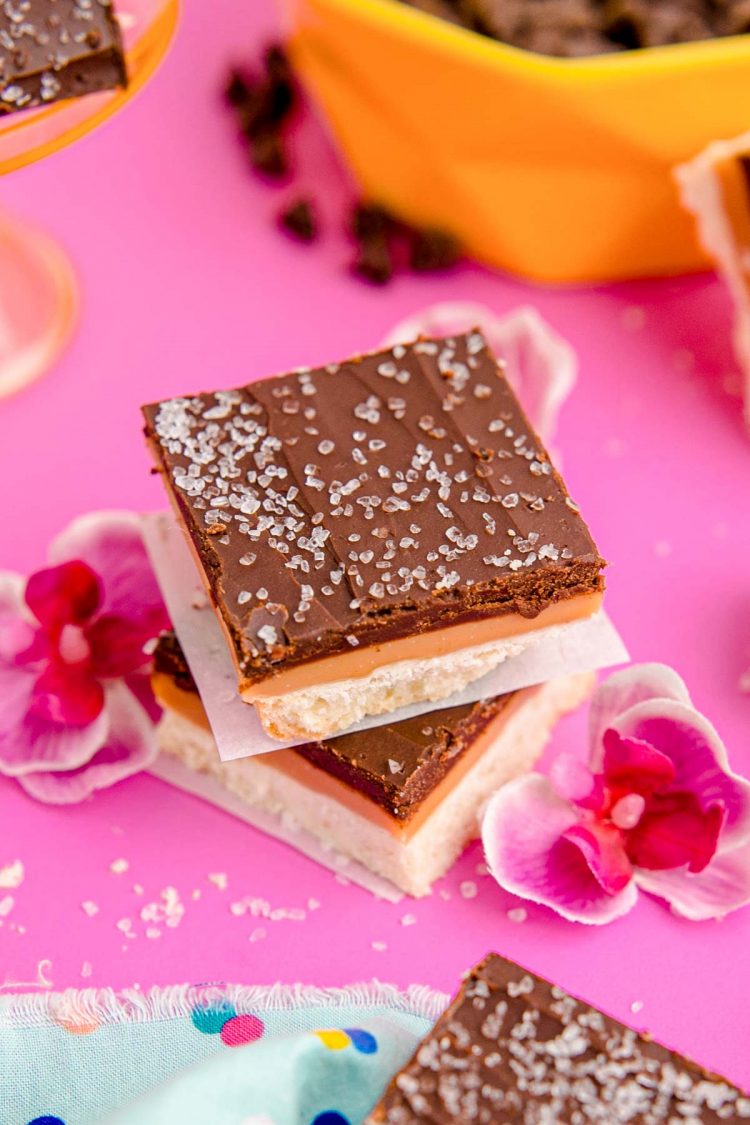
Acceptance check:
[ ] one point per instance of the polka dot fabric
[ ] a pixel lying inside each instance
(219, 1054)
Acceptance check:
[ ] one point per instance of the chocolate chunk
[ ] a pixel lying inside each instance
(374, 261)
(434, 250)
(655, 23)
(396, 765)
(570, 28)
(268, 154)
(263, 110)
(300, 220)
(373, 227)
(513, 1049)
(443, 9)
(56, 49)
(238, 90)
(351, 495)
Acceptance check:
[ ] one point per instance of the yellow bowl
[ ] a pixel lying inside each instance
(555, 169)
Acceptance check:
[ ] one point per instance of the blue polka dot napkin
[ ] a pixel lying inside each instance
(212, 1055)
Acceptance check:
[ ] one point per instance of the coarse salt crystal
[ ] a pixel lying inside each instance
(119, 866)
(219, 879)
(89, 908)
(12, 875)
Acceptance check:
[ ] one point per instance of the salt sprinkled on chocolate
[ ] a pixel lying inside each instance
(364, 517)
(514, 1049)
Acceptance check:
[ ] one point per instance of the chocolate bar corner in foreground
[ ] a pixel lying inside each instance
(513, 1049)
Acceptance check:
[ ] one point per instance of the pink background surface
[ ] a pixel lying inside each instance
(187, 285)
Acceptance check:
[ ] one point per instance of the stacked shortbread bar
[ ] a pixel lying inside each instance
(374, 534)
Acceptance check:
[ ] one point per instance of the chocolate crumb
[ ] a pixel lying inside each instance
(434, 250)
(268, 155)
(238, 90)
(300, 220)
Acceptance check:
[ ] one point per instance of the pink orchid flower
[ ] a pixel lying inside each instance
(656, 808)
(540, 365)
(76, 713)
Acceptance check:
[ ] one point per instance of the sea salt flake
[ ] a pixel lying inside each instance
(119, 866)
(257, 935)
(90, 908)
(12, 875)
(6, 905)
(379, 946)
(409, 920)
(518, 914)
(468, 889)
(219, 879)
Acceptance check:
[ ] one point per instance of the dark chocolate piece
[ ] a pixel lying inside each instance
(263, 107)
(268, 154)
(395, 493)
(56, 49)
(513, 1049)
(570, 28)
(396, 765)
(373, 228)
(434, 250)
(300, 220)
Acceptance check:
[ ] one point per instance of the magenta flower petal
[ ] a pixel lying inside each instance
(129, 746)
(30, 744)
(601, 847)
(719, 889)
(573, 779)
(67, 694)
(635, 766)
(112, 545)
(624, 690)
(16, 690)
(117, 645)
(699, 757)
(673, 831)
(527, 853)
(67, 594)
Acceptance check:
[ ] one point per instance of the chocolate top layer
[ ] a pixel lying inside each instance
(513, 1048)
(54, 49)
(396, 765)
(394, 493)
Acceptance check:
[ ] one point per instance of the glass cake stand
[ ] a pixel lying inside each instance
(38, 292)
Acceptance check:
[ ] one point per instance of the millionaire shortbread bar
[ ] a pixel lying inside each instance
(373, 533)
(402, 799)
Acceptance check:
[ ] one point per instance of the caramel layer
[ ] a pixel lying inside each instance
(420, 646)
(188, 705)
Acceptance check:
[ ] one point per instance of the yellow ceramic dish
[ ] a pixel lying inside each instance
(555, 169)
